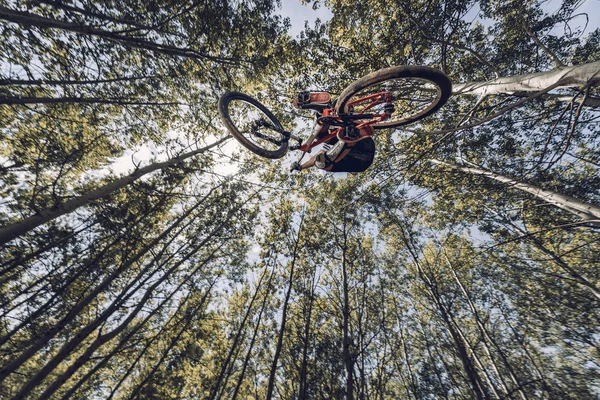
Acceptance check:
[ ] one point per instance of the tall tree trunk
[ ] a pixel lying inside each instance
(273, 372)
(578, 75)
(236, 338)
(254, 335)
(484, 332)
(16, 100)
(347, 353)
(587, 211)
(303, 390)
(17, 229)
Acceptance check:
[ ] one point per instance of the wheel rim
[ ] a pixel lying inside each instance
(248, 118)
(413, 98)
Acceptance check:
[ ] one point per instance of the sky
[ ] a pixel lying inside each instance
(298, 14)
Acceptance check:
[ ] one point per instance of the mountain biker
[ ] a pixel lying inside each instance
(343, 156)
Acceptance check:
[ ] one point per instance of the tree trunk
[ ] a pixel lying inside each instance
(272, 374)
(578, 75)
(303, 390)
(236, 339)
(254, 335)
(587, 211)
(347, 354)
(19, 228)
(484, 332)
(12, 100)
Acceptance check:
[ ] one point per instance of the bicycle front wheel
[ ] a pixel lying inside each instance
(416, 92)
(253, 125)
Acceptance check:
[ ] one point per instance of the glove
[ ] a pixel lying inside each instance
(295, 166)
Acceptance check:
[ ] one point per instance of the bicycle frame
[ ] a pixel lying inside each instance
(330, 118)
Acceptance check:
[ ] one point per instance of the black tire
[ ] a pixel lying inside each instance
(247, 111)
(429, 89)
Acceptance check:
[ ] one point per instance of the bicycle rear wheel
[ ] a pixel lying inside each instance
(416, 93)
(253, 125)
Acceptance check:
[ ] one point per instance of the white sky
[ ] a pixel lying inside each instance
(298, 14)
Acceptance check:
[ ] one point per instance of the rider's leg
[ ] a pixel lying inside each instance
(311, 161)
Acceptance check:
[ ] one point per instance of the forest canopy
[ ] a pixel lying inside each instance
(144, 254)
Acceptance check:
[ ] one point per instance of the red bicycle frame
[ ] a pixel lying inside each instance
(331, 118)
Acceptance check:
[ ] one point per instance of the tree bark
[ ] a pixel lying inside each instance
(484, 332)
(254, 335)
(272, 374)
(578, 75)
(19, 228)
(236, 338)
(347, 354)
(11, 100)
(303, 389)
(587, 211)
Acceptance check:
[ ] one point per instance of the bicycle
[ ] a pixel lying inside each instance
(387, 98)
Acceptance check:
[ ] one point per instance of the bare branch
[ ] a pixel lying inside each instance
(557, 62)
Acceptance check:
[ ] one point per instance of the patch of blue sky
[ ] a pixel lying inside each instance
(299, 14)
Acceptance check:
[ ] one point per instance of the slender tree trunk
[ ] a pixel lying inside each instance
(437, 372)
(19, 228)
(273, 372)
(12, 100)
(303, 390)
(236, 339)
(578, 75)
(347, 353)
(59, 82)
(477, 360)
(520, 340)
(254, 335)
(587, 211)
(484, 332)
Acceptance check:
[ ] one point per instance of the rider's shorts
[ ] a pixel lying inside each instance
(359, 158)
